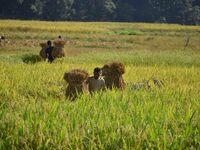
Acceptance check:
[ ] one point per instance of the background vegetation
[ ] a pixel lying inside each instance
(35, 114)
(165, 11)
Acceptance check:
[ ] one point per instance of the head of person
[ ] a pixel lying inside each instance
(97, 72)
(59, 37)
(49, 43)
(3, 37)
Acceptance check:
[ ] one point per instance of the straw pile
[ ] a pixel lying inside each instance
(117, 69)
(42, 53)
(158, 83)
(58, 51)
(106, 70)
(148, 84)
(76, 76)
(145, 84)
(76, 82)
(59, 43)
(113, 75)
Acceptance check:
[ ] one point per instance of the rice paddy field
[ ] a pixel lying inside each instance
(35, 114)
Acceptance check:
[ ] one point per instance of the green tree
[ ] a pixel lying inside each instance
(178, 11)
(125, 10)
(94, 10)
(57, 10)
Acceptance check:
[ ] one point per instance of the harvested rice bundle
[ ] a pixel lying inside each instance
(43, 45)
(117, 69)
(58, 51)
(59, 43)
(76, 80)
(148, 84)
(114, 82)
(106, 70)
(145, 84)
(72, 92)
(42, 51)
(113, 75)
(76, 76)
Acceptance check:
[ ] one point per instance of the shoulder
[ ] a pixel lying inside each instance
(101, 79)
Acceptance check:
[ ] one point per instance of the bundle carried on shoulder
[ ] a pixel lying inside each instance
(43, 45)
(76, 82)
(113, 69)
(112, 73)
(117, 68)
(106, 70)
(58, 51)
(42, 51)
(59, 43)
(76, 76)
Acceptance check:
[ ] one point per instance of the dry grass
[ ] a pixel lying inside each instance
(42, 52)
(58, 50)
(76, 82)
(59, 43)
(112, 73)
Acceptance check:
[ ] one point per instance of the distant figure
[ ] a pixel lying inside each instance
(2, 40)
(48, 52)
(96, 83)
(60, 37)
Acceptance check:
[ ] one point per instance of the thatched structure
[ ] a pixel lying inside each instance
(76, 82)
(113, 75)
(58, 51)
(42, 53)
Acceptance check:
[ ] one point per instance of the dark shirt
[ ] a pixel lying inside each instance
(49, 53)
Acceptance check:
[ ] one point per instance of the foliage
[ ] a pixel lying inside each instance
(165, 11)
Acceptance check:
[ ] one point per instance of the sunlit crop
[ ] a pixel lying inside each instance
(35, 114)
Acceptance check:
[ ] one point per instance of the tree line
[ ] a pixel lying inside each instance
(161, 11)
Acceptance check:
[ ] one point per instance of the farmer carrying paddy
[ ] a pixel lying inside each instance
(95, 82)
(60, 37)
(48, 52)
(2, 40)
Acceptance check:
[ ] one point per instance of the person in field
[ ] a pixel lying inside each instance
(48, 52)
(2, 40)
(60, 37)
(96, 83)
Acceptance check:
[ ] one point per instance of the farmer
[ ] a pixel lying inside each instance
(48, 52)
(96, 83)
(2, 40)
(60, 38)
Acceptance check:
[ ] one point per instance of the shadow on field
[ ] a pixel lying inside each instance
(31, 58)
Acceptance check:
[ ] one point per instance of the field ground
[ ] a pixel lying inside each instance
(35, 114)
